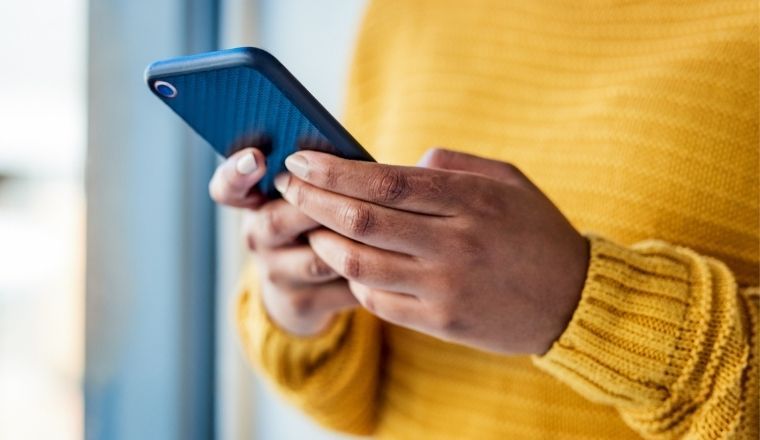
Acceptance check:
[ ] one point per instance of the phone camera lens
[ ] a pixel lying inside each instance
(165, 89)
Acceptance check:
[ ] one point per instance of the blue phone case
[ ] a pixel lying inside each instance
(244, 97)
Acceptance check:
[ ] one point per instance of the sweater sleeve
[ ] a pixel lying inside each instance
(332, 377)
(667, 337)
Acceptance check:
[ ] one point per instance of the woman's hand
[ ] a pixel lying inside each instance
(463, 248)
(300, 292)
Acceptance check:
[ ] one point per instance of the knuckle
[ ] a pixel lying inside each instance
(510, 169)
(299, 193)
(271, 223)
(485, 192)
(440, 157)
(457, 186)
(250, 242)
(389, 185)
(438, 185)
(448, 322)
(369, 301)
(352, 265)
(301, 304)
(316, 268)
(330, 177)
(512, 173)
(273, 277)
(357, 218)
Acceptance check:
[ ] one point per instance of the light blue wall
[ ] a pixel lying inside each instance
(315, 40)
(133, 194)
(150, 229)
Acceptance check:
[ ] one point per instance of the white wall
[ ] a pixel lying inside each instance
(314, 40)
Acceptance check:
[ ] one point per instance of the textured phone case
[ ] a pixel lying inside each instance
(236, 104)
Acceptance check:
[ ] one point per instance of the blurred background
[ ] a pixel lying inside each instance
(116, 270)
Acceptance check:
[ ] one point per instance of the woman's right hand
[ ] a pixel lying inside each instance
(299, 291)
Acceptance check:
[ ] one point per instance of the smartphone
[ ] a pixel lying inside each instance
(244, 97)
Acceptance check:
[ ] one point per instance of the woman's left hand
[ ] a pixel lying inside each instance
(462, 248)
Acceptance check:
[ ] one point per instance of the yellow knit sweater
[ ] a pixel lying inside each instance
(639, 119)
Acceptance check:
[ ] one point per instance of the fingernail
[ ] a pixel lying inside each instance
(281, 182)
(297, 164)
(246, 164)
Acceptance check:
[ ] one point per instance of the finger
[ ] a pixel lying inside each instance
(375, 225)
(439, 158)
(400, 309)
(232, 181)
(297, 266)
(407, 188)
(275, 224)
(315, 300)
(370, 266)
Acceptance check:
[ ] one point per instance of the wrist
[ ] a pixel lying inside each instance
(573, 279)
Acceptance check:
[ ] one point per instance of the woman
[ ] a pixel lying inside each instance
(587, 270)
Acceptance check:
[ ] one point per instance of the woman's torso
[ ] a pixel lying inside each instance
(638, 119)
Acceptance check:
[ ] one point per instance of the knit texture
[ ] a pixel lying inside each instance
(640, 121)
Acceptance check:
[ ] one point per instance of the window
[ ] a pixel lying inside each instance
(116, 277)
(42, 109)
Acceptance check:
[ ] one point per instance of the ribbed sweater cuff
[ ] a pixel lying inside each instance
(284, 354)
(635, 328)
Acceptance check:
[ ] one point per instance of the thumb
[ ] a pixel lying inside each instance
(443, 159)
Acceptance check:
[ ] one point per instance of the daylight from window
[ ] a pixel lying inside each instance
(42, 141)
